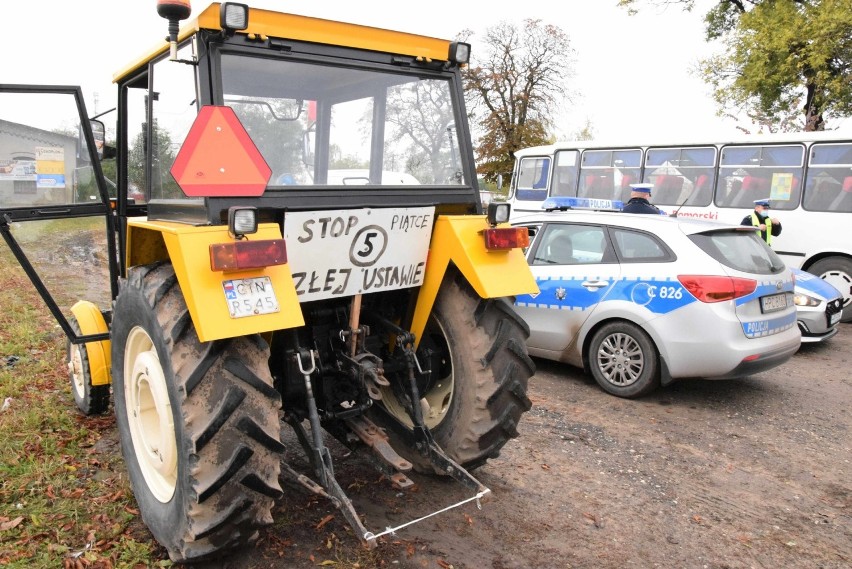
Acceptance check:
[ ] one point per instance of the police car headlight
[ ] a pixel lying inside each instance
(805, 300)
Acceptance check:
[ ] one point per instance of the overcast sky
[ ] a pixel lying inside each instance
(632, 74)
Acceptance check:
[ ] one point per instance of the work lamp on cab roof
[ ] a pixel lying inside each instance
(233, 17)
(459, 52)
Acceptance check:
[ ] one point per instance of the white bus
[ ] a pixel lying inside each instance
(807, 177)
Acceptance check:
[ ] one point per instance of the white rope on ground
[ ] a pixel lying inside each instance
(371, 536)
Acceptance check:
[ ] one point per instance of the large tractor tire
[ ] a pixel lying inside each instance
(199, 423)
(478, 387)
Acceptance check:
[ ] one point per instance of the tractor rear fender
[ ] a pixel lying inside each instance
(91, 321)
(187, 248)
(458, 240)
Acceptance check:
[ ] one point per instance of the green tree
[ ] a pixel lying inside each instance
(786, 64)
(163, 185)
(513, 91)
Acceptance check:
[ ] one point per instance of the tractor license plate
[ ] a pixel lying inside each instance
(250, 297)
(773, 302)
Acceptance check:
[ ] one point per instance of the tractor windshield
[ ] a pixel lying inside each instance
(327, 125)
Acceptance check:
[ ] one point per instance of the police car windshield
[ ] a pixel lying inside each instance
(743, 251)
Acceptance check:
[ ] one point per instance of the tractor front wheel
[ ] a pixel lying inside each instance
(90, 399)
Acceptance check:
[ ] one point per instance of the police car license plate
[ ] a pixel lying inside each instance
(250, 297)
(834, 318)
(773, 302)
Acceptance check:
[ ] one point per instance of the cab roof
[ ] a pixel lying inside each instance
(266, 23)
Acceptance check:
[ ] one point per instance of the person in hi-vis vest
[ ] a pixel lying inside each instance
(769, 226)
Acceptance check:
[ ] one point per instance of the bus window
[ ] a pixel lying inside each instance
(565, 174)
(681, 174)
(607, 174)
(829, 182)
(748, 173)
(532, 178)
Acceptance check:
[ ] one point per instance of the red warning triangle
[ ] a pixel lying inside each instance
(219, 159)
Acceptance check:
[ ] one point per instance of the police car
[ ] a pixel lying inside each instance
(642, 300)
(819, 306)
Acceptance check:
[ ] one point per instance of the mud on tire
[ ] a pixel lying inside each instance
(486, 363)
(199, 423)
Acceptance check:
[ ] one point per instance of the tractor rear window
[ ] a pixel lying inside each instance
(326, 125)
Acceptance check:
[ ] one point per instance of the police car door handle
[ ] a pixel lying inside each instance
(595, 284)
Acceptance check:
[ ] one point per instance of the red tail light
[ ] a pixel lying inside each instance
(500, 238)
(240, 255)
(716, 289)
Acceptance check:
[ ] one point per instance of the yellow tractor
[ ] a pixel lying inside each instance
(286, 231)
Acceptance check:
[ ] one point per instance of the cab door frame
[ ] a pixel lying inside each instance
(9, 215)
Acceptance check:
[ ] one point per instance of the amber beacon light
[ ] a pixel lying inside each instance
(174, 11)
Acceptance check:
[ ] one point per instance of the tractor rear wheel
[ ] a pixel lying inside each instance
(478, 387)
(199, 423)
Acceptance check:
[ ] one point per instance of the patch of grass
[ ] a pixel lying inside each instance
(65, 500)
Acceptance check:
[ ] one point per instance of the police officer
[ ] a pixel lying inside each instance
(639, 196)
(769, 226)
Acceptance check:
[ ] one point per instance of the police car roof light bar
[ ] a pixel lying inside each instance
(563, 203)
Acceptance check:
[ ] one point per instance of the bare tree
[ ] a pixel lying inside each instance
(513, 90)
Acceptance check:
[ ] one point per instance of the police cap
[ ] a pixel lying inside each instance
(641, 188)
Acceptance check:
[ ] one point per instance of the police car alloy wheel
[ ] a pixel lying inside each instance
(623, 360)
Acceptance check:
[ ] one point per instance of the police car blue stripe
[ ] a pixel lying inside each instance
(769, 326)
(659, 296)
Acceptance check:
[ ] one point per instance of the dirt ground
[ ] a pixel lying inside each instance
(727, 474)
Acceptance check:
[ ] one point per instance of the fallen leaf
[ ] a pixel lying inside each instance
(469, 519)
(545, 467)
(11, 523)
(324, 521)
(444, 564)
